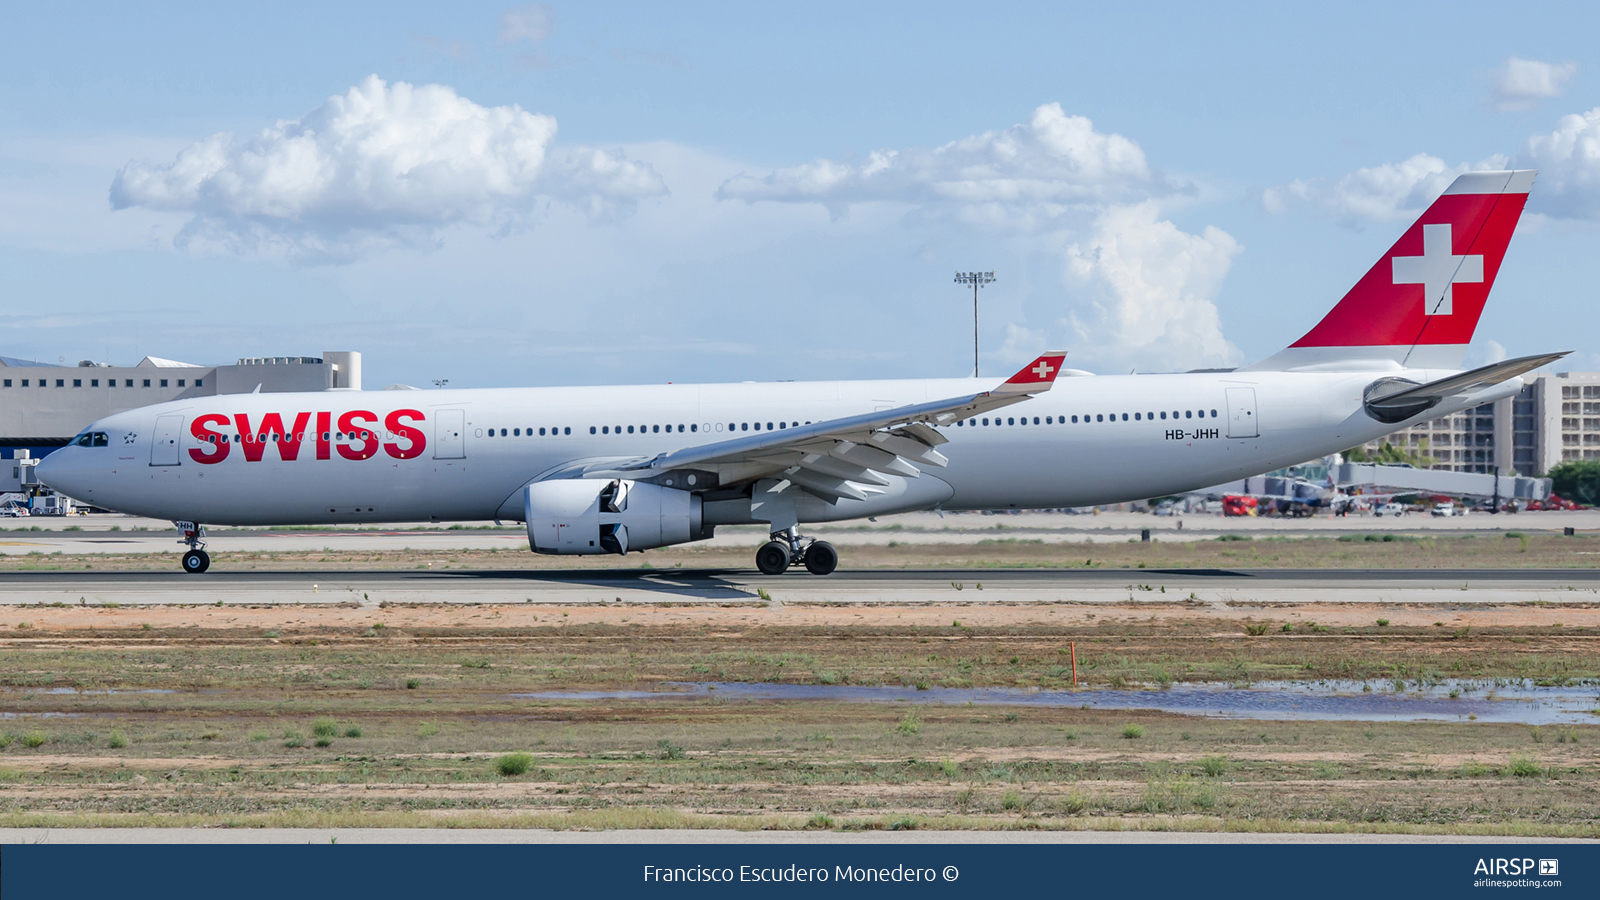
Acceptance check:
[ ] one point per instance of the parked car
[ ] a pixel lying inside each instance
(1444, 509)
(1390, 509)
(12, 511)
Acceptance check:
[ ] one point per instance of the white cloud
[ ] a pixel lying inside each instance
(1150, 290)
(1484, 352)
(530, 22)
(1520, 83)
(1027, 176)
(1568, 160)
(1387, 193)
(1136, 289)
(377, 166)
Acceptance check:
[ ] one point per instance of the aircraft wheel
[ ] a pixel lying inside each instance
(821, 558)
(772, 558)
(196, 561)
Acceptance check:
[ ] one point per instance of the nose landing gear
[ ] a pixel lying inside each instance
(787, 548)
(197, 560)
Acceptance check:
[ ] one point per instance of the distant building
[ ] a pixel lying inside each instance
(1555, 419)
(42, 406)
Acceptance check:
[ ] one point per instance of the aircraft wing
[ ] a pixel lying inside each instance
(834, 459)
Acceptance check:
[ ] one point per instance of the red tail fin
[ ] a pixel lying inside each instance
(1420, 304)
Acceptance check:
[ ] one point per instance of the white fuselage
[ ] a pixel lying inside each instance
(1134, 437)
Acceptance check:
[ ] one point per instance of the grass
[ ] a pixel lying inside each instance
(234, 735)
(324, 728)
(513, 764)
(1523, 767)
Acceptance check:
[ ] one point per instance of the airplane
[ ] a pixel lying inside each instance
(613, 470)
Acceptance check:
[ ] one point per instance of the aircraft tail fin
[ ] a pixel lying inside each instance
(1419, 305)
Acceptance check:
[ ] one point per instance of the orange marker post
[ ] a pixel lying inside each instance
(1073, 645)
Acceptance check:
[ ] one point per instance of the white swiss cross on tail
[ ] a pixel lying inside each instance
(1436, 270)
(1035, 376)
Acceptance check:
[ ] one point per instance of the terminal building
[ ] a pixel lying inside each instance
(1553, 420)
(42, 406)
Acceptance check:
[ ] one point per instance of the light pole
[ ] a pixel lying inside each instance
(977, 280)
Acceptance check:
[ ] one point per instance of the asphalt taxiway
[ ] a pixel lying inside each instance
(1575, 587)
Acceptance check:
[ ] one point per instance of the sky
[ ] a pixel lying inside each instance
(607, 193)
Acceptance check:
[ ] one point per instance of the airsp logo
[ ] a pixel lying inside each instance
(1501, 866)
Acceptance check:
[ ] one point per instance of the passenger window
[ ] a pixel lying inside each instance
(1011, 421)
(1188, 414)
(985, 421)
(1136, 417)
(694, 427)
(769, 426)
(1213, 414)
(503, 432)
(630, 430)
(1099, 418)
(745, 426)
(1074, 420)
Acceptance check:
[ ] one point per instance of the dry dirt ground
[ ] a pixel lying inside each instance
(343, 716)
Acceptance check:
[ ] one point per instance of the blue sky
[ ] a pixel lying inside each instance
(719, 192)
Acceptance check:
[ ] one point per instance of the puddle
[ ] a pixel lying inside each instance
(40, 715)
(1519, 702)
(73, 690)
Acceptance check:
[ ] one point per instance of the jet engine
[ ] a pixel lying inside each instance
(592, 516)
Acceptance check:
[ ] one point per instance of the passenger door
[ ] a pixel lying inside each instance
(164, 442)
(1242, 413)
(449, 434)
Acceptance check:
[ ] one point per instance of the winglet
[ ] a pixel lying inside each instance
(1035, 377)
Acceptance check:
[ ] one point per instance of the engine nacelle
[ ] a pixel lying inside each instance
(592, 516)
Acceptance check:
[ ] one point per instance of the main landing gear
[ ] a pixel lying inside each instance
(788, 548)
(197, 560)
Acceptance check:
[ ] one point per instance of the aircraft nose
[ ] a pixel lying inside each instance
(55, 471)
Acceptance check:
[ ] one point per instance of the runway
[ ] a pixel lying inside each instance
(1448, 587)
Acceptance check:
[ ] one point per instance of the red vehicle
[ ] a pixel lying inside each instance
(1235, 505)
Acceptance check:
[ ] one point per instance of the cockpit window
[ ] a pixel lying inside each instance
(92, 439)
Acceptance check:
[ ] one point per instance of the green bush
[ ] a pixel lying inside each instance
(1133, 732)
(324, 728)
(909, 724)
(34, 739)
(1523, 767)
(413, 683)
(819, 821)
(352, 732)
(513, 764)
(117, 741)
(1214, 766)
(669, 750)
(1577, 480)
